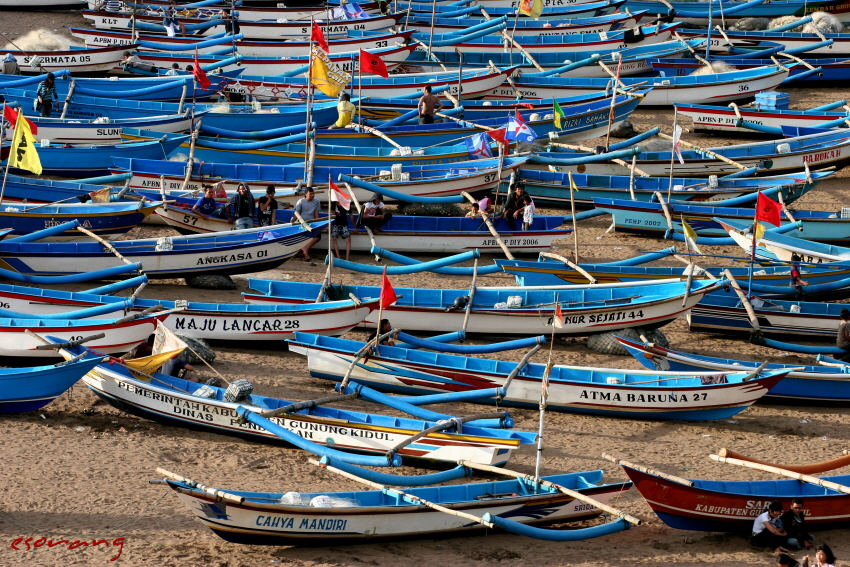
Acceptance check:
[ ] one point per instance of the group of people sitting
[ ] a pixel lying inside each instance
(784, 530)
(519, 205)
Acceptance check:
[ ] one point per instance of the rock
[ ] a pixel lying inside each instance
(432, 209)
(624, 130)
(210, 281)
(200, 346)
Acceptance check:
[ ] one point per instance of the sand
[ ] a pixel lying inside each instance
(79, 468)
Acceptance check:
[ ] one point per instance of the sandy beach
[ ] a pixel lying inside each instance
(79, 468)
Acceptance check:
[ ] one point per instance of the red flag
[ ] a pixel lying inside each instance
(767, 210)
(318, 36)
(388, 296)
(558, 321)
(527, 105)
(340, 196)
(12, 117)
(371, 63)
(199, 73)
(498, 135)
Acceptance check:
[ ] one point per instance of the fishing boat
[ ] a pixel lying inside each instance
(791, 40)
(575, 20)
(649, 218)
(806, 385)
(773, 246)
(732, 506)
(610, 392)
(97, 131)
(822, 149)
(267, 48)
(107, 220)
(30, 190)
(263, 519)
(831, 70)
(698, 12)
(554, 186)
(32, 388)
(75, 59)
(420, 180)
(236, 252)
(589, 309)
(433, 235)
(708, 118)
(41, 4)
(95, 159)
(179, 402)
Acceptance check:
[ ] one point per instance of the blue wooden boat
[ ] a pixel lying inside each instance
(107, 220)
(422, 180)
(234, 252)
(758, 120)
(697, 12)
(244, 118)
(648, 218)
(29, 389)
(774, 246)
(832, 70)
(78, 160)
(776, 317)
(574, 389)
(591, 17)
(99, 131)
(39, 190)
(589, 309)
(791, 40)
(810, 385)
(821, 149)
(554, 187)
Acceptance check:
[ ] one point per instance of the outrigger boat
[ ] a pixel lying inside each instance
(29, 389)
(76, 59)
(107, 220)
(588, 309)
(708, 118)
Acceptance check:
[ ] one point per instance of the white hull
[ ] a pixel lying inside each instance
(76, 61)
(118, 339)
(724, 119)
(79, 132)
(553, 30)
(221, 417)
(589, 48)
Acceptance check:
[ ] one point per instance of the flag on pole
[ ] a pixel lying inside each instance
(518, 130)
(388, 296)
(11, 117)
(318, 37)
(371, 63)
(531, 8)
(340, 196)
(559, 114)
(353, 11)
(759, 231)
(767, 210)
(23, 154)
(677, 135)
(199, 73)
(558, 319)
(500, 135)
(326, 76)
(690, 235)
(573, 185)
(478, 146)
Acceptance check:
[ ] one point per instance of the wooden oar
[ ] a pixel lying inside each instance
(744, 300)
(214, 492)
(569, 263)
(492, 229)
(577, 495)
(784, 472)
(106, 245)
(378, 133)
(705, 151)
(413, 498)
(813, 468)
(647, 470)
(623, 89)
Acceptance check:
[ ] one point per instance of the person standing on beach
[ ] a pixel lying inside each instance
(842, 340)
(308, 207)
(428, 106)
(46, 95)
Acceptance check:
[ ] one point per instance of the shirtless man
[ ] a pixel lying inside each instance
(428, 105)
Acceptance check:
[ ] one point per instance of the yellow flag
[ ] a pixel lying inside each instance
(149, 364)
(100, 196)
(690, 234)
(573, 185)
(326, 76)
(554, 169)
(759, 230)
(532, 8)
(23, 154)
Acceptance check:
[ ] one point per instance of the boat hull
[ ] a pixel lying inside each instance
(29, 389)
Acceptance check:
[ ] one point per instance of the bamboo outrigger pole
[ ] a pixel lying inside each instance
(784, 472)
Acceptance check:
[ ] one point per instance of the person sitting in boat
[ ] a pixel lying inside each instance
(475, 212)
(308, 207)
(206, 205)
(170, 21)
(515, 206)
(174, 71)
(794, 520)
(485, 204)
(240, 208)
(339, 228)
(843, 338)
(386, 327)
(345, 111)
(824, 557)
(267, 205)
(768, 530)
(373, 215)
(178, 368)
(528, 211)
(46, 94)
(10, 65)
(428, 106)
